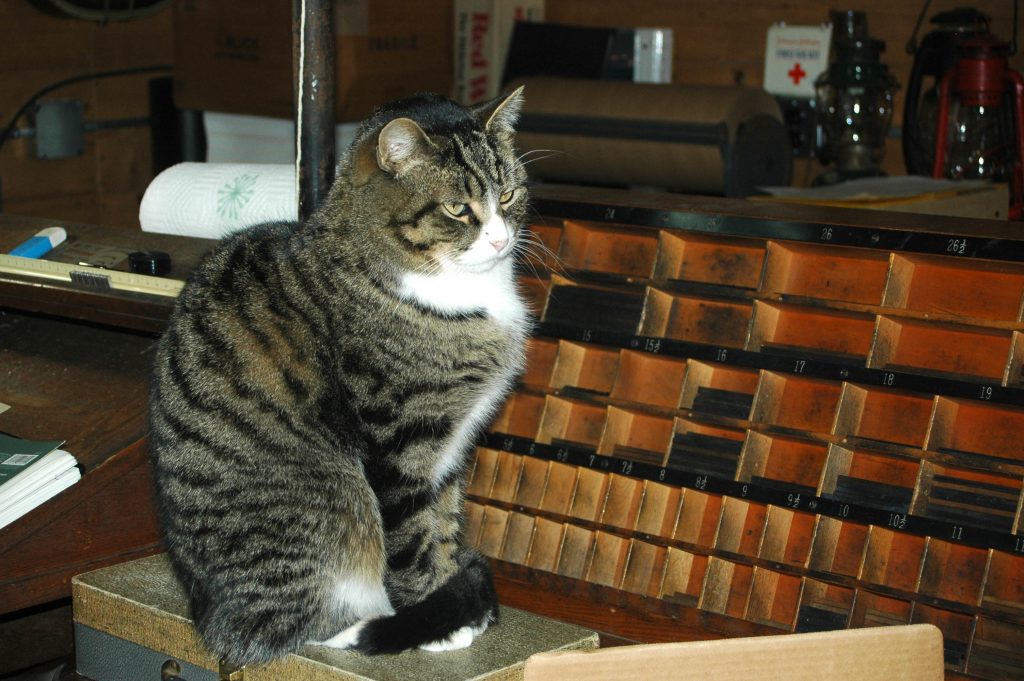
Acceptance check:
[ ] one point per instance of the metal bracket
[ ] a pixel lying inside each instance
(60, 128)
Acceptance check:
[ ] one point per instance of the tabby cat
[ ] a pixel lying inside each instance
(320, 387)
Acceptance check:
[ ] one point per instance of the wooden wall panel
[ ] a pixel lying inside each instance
(718, 42)
(106, 183)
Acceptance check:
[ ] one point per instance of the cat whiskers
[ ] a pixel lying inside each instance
(428, 267)
(533, 248)
(526, 257)
(524, 161)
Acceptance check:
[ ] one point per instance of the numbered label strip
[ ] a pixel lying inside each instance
(813, 232)
(962, 534)
(93, 278)
(764, 359)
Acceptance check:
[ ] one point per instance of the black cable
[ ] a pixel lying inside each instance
(70, 81)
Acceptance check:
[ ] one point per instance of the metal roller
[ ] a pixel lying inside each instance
(695, 139)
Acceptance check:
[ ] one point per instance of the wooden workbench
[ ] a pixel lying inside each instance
(74, 366)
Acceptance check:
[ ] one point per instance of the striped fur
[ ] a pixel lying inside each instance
(319, 388)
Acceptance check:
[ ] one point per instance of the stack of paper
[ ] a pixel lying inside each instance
(30, 473)
(906, 193)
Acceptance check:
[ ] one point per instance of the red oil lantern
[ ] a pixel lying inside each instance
(980, 123)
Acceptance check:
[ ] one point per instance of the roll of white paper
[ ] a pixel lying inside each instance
(214, 199)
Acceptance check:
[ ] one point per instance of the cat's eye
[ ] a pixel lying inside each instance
(455, 210)
(507, 197)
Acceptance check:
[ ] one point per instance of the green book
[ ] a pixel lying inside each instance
(30, 473)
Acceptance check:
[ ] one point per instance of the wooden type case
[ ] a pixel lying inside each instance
(796, 421)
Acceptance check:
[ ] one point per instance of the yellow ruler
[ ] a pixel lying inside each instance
(93, 278)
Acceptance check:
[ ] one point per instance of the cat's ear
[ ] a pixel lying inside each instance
(401, 145)
(501, 114)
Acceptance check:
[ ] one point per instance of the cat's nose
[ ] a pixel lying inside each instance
(499, 244)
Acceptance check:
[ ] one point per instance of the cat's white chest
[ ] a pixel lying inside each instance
(456, 292)
(461, 440)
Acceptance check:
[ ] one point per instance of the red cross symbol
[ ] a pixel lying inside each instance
(796, 73)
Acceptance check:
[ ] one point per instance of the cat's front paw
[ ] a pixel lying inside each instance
(457, 640)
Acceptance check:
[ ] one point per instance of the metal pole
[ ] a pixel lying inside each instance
(314, 69)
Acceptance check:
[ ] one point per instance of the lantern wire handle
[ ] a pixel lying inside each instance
(912, 43)
(1013, 40)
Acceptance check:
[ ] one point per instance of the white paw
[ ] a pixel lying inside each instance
(346, 638)
(457, 640)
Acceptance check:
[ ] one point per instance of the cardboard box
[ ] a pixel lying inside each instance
(641, 55)
(483, 31)
(235, 56)
(908, 653)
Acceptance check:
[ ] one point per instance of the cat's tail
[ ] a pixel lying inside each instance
(448, 619)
